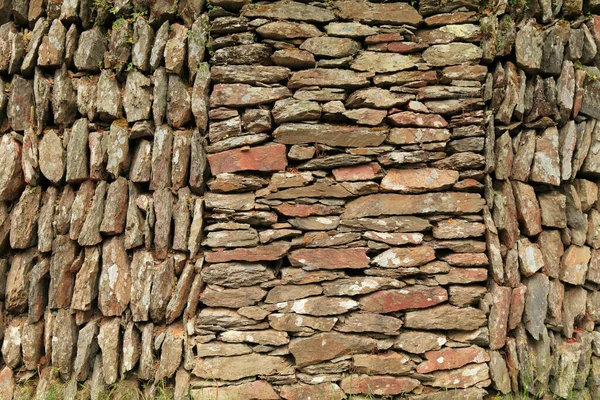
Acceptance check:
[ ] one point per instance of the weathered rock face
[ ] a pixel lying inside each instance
(296, 200)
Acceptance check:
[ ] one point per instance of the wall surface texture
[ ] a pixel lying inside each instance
(292, 200)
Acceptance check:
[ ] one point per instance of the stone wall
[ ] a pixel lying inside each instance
(291, 200)
(543, 229)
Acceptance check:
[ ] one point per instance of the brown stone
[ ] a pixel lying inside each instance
(328, 345)
(450, 358)
(405, 257)
(418, 180)
(410, 297)
(377, 13)
(329, 258)
(238, 94)
(238, 367)
(378, 385)
(300, 391)
(445, 317)
(389, 363)
(265, 158)
(409, 118)
(270, 252)
(403, 204)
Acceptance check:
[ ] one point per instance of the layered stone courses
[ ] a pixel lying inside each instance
(290, 200)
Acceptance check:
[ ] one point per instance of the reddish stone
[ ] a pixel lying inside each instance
(329, 258)
(450, 358)
(378, 385)
(467, 259)
(386, 301)
(302, 210)
(365, 172)
(517, 305)
(406, 47)
(383, 37)
(265, 158)
(270, 252)
(498, 318)
(408, 118)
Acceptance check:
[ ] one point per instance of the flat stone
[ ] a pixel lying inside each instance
(377, 13)
(292, 110)
(245, 391)
(379, 385)
(263, 337)
(293, 58)
(265, 158)
(405, 257)
(462, 377)
(418, 180)
(409, 118)
(349, 29)
(332, 135)
(270, 252)
(410, 297)
(445, 317)
(450, 358)
(236, 95)
(457, 229)
(289, 10)
(404, 204)
(329, 258)
(330, 77)
(452, 54)
(331, 46)
(238, 367)
(376, 98)
(382, 62)
(291, 322)
(248, 74)
(418, 342)
(214, 296)
(328, 345)
(302, 391)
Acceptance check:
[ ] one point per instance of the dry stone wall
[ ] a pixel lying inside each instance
(541, 216)
(327, 200)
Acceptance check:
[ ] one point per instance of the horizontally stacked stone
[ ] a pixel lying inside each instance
(338, 248)
(344, 212)
(543, 220)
